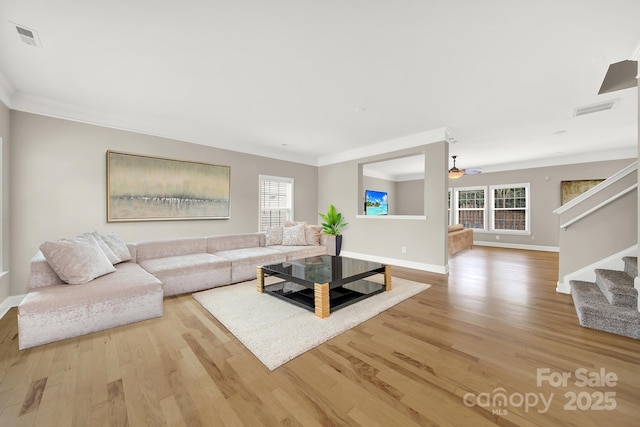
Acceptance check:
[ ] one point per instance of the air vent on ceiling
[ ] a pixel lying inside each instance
(595, 108)
(27, 35)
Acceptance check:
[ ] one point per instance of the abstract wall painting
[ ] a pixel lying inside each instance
(572, 189)
(146, 188)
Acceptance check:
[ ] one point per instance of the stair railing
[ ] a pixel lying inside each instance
(599, 205)
(586, 240)
(632, 168)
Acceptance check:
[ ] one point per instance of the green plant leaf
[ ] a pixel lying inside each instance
(333, 221)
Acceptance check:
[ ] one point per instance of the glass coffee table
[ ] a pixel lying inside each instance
(325, 283)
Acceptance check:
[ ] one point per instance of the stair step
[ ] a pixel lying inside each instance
(631, 265)
(595, 312)
(617, 287)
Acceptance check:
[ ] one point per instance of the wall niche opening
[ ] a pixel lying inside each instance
(392, 187)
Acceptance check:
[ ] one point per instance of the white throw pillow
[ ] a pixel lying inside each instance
(77, 260)
(273, 236)
(113, 258)
(118, 247)
(294, 236)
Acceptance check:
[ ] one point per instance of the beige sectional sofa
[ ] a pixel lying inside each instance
(54, 310)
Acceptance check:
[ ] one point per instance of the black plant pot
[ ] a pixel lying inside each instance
(338, 244)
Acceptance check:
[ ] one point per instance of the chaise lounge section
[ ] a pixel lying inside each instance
(53, 310)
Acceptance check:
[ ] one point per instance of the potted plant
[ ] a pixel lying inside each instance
(332, 226)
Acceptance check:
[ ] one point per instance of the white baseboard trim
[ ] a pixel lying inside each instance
(563, 288)
(518, 246)
(440, 269)
(11, 301)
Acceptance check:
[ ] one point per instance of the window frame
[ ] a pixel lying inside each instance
(489, 207)
(455, 204)
(527, 209)
(290, 198)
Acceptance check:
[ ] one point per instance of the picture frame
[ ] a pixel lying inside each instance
(148, 188)
(572, 189)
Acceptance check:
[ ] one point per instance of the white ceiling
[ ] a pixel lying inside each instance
(307, 80)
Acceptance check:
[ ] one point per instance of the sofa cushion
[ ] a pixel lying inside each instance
(312, 234)
(171, 247)
(77, 260)
(297, 252)
(244, 262)
(189, 273)
(118, 247)
(257, 255)
(293, 223)
(41, 274)
(294, 236)
(232, 241)
(273, 236)
(182, 264)
(111, 256)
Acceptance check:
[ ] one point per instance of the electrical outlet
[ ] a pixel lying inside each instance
(497, 237)
(404, 249)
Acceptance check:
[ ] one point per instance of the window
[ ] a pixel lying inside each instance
(510, 207)
(497, 208)
(276, 201)
(471, 207)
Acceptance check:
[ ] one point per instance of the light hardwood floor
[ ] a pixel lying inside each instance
(481, 331)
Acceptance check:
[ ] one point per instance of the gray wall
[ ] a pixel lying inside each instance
(5, 131)
(410, 197)
(58, 186)
(383, 237)
(545, 197)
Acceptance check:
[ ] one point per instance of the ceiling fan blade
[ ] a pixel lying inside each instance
(472, 171)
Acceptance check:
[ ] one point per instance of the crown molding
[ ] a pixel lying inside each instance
(587, 157)
(47, 107)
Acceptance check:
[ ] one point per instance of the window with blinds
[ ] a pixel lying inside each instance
(276, 201)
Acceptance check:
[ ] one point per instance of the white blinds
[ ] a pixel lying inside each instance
(276, 201)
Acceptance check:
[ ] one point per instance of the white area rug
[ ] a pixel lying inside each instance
(277, 331)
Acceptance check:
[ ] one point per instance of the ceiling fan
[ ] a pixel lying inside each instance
(455, 173)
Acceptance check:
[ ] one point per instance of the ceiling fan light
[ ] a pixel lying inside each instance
(455, 173)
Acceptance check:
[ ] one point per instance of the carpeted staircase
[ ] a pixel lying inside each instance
(611, 303)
